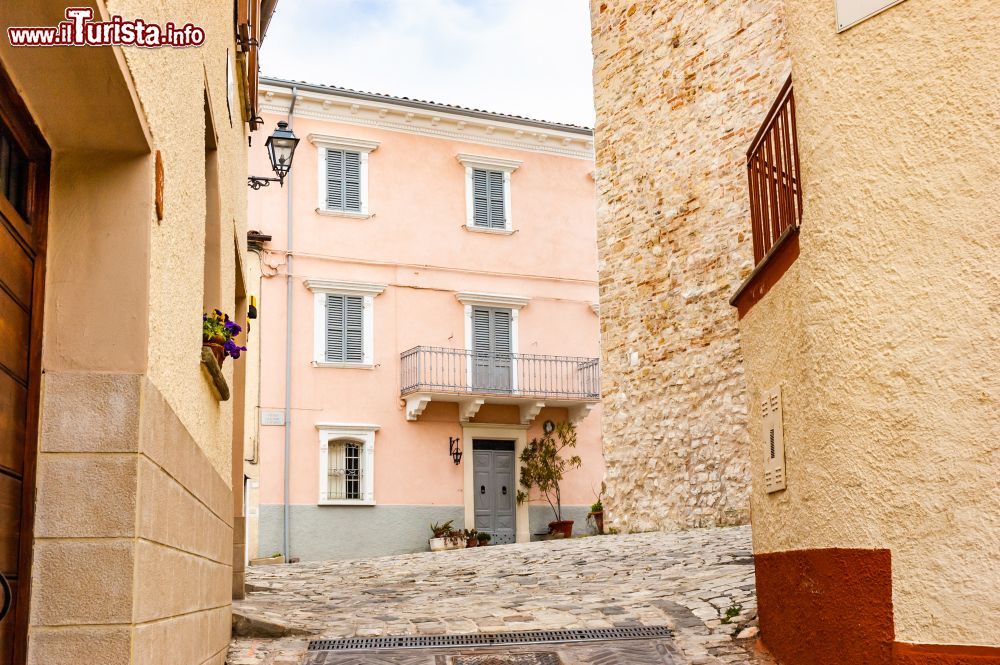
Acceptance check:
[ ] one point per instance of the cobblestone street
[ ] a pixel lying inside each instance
(699, 583)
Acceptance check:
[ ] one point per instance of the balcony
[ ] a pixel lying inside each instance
(470, 378)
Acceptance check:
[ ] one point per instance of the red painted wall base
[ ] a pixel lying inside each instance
(834, 607)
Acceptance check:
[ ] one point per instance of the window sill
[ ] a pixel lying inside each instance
(344, 213)
(322, 363)
(767, 273)
(345, 502)
(496, 232)
(214, 372)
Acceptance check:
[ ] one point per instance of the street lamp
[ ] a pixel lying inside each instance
(280, 150)
(454, 450)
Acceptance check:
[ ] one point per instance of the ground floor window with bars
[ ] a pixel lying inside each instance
(347, 464)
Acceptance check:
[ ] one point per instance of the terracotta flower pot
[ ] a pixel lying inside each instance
(472, 542)
(218, 351)
(599, 521)
(564, 527)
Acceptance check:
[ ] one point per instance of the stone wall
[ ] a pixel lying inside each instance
(680, 88)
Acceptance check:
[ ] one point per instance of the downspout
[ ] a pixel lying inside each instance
(288, 345)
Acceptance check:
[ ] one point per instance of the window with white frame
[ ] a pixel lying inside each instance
(343, 174)
(344, 322)
(346, 464)
(487, 192)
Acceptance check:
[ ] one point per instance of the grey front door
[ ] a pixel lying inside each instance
(493, 479)
(491, 348)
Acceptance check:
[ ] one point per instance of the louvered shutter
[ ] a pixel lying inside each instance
(343, 180)
(335, 328)
(481, 330)
(497, 218)
(345, 329)
(354, 347)
(335, 179)
(501, 331)
(352, 181)
(480, 198)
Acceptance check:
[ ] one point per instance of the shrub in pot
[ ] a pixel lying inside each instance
(483, 538)
(542, 468)
(470, 538)
(442, 532)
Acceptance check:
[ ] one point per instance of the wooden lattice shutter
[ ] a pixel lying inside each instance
(501, 331)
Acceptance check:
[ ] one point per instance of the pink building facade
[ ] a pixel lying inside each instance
(427, 282)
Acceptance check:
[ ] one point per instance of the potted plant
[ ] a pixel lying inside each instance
(218, 333)
(470, 538)
(441, 532)
(483, 538)
(597, 511)
(543, 466)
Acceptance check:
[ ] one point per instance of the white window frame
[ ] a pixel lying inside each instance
(505, 166)
(323, 287)
(499, 301)
(363, 147)
(361, 433)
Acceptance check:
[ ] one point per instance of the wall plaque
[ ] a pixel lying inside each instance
(852, 12)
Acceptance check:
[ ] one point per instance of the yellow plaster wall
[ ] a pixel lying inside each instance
(884, 333)
(171, 84)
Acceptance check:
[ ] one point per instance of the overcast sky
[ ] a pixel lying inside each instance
(525, 57)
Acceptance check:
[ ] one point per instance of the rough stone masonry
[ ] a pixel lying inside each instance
(681, 87)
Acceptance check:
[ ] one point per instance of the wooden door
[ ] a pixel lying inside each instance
(24, 173)
(491, 346)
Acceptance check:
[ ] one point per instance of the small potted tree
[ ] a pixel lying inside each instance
(543, 467)
(597, 511)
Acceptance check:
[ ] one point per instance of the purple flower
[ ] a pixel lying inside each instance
(233, 349)
(233, 328)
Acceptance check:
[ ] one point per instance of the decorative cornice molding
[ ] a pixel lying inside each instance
(488, 163)
(343, 142)
(492, 300)
(349, 427)
(347, 288)
(436, 123)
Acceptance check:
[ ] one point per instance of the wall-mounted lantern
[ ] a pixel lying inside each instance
(280, 150)
(455, 450)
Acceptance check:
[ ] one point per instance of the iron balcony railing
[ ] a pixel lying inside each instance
(443, 370)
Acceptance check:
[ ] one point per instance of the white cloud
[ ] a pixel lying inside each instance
(525, 57)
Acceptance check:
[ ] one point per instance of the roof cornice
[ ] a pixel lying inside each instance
(427, 118)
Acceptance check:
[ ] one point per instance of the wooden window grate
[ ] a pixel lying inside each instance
(773, 175)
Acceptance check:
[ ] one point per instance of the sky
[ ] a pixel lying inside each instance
(523, 57)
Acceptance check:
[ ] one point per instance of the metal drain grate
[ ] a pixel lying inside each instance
(491, 639)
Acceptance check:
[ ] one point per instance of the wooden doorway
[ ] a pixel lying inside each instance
(24, 183)
(493, 481)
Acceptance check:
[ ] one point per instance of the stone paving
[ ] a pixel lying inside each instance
(699, 583)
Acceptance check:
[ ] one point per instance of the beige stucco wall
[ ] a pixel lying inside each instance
(171, 84)
(883, 334)
(680, 88)
(134, 510)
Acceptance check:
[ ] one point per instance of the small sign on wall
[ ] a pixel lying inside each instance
(852, 12)
(272, 417)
